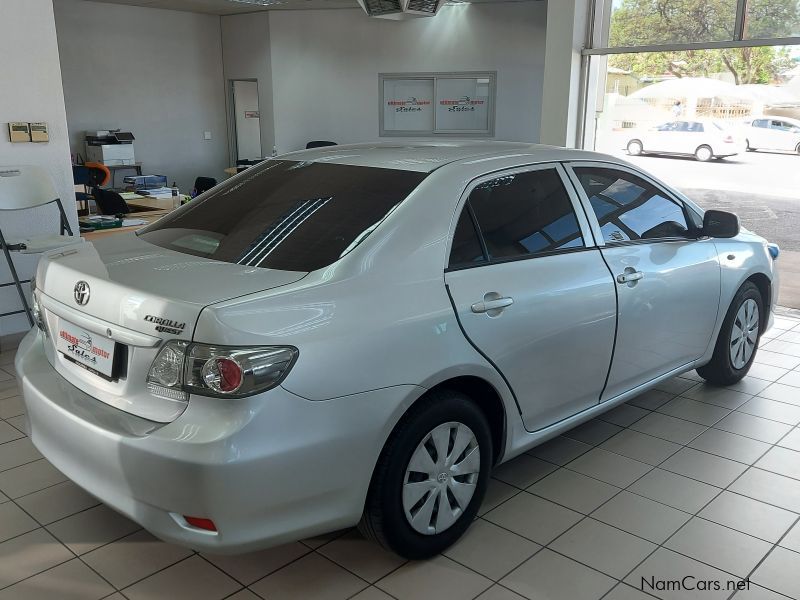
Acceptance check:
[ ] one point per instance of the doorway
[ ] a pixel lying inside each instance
(246, 120)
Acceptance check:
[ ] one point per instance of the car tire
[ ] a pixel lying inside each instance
(404, 505)
(748, 147)
(797, 149)
(704, 153)
(635, 148)
(737, 341)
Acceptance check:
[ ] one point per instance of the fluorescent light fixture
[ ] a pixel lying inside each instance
(259, 2)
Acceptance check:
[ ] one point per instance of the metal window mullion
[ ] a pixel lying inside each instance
(741, 20)
(787, 41)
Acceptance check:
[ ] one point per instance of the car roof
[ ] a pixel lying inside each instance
(426, 155)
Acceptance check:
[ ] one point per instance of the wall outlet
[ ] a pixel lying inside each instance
(206, 135)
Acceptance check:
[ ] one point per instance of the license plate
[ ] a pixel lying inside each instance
(85, 347)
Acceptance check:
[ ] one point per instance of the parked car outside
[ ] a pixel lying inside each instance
(702, 138)
(360, 334)
(772, 133)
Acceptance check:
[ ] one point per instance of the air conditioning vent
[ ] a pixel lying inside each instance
(401, 9)
(424, 6)
(376, 8)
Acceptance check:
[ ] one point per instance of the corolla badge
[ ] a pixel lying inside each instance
(81, 293)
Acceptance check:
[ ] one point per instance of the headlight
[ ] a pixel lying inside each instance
(220, 371)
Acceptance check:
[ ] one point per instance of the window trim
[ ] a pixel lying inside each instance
(667, 192)
(587, 233)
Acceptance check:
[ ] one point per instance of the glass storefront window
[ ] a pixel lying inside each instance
(772, 19)
(655, 22)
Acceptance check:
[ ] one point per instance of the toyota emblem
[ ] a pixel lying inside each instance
(82, 293)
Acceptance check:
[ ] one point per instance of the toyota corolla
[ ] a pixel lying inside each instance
(359, 334)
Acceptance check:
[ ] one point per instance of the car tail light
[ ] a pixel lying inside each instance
(728, 139)
(200, 523)
(181, 368)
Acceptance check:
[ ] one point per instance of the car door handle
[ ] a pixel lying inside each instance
(490, 305)
(629, 276)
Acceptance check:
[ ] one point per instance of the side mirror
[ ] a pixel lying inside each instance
(720, 224)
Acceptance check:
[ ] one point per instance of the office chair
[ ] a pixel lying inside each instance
(24, 188)
(90, 175)
(110, 202)
(319, 144)
(203, 184)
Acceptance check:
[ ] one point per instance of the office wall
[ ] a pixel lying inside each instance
(30, 90)
(325, 65)
(246, 55)
(155, 72)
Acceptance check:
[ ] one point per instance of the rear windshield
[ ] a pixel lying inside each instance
(288, 215)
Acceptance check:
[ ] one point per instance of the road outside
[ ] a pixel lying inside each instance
(763, 188)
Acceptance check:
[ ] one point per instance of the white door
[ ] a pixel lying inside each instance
(247, 120)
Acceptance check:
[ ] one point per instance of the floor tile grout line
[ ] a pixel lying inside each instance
(764, 558)
(696, 514)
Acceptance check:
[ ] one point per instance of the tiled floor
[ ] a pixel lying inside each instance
(684, 480)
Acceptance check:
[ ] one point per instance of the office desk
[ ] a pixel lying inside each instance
(148, 203)
(148, 217)
(230, 170)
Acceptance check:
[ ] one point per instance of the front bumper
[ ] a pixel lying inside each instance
(266, 470)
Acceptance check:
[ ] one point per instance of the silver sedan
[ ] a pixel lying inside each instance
(359, 334)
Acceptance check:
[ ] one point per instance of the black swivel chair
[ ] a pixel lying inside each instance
(319, 144)
(203, 184)
(110, 203)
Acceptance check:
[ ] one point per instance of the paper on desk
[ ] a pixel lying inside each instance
(131, 222)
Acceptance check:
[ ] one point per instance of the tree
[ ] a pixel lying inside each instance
(649, 22)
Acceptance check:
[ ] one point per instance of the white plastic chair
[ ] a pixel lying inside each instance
(23, 188)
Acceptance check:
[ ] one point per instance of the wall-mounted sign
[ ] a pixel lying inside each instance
(462, 105)
(408, 105)
(437, 103)
(252, 114)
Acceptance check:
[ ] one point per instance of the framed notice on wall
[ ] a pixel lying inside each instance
(414, 104)
(408, 105)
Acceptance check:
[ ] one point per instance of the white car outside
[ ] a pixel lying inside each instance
(773, 133)
(702, 138)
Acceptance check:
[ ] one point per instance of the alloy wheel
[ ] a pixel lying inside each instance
(441, 478)
(744, 334)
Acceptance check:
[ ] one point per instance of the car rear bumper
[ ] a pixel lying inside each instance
(266, 470)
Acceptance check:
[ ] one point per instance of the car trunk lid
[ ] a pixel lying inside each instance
(109, 306)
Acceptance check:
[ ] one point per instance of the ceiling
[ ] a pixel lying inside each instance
(232, 7)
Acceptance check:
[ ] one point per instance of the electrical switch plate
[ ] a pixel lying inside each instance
(39, 132)
(207, 135)
(19, 132)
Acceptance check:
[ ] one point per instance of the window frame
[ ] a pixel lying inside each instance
(587, 232)
(670, 194)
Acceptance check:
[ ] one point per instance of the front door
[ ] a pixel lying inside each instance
(667, 279)
(532, 293)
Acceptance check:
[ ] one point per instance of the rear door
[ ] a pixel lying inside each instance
(667, 280)
(532, 292)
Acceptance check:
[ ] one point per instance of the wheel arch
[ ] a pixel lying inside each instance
(488, 399)
(764, 285)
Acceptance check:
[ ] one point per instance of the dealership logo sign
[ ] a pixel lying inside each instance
(411, 104)
(463, 104)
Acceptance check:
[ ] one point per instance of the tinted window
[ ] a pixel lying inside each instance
(760, 123)
(524, 214)
(288, 215)
(629, 208)
(466, 248)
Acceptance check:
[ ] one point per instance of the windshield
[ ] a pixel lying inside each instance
(287, 215)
